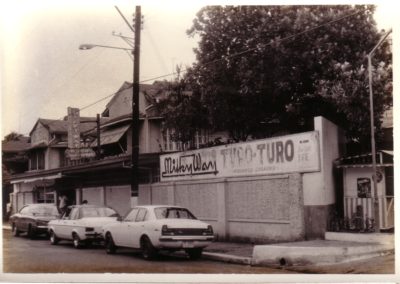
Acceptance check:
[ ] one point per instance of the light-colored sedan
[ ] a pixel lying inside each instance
(82, 224)
(162, 227)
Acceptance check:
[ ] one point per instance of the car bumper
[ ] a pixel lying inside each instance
(184, 242)
(93, 236)
(40, 229)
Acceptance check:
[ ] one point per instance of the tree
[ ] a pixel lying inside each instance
(183, 113)
(12, 136)
(252, 71)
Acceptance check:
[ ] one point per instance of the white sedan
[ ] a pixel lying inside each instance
(82, 224)
(162, 227)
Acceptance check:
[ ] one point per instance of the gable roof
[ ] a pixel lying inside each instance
(143, 88)
(58, 126)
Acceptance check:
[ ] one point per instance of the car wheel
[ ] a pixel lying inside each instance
(76, 241)
(194, 253)
(15, 231)
(53, 238)
(111, 248)
(30, 233)
(148, 250)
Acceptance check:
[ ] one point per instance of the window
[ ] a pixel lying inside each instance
(74, 214)
(131, 217)
(173, 213)
(44, 194)
(141, 216)
(37, 160)
(25, 210)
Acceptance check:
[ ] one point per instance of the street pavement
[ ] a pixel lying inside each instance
(303, 256)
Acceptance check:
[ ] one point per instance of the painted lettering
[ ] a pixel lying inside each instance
(189, 165)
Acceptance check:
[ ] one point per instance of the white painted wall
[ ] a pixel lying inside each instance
(319, 187)
(350, 176)
(119, 198)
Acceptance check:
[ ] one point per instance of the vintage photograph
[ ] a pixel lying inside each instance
(180, 138)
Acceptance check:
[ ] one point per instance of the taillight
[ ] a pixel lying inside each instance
(166, 231)
(208, 231)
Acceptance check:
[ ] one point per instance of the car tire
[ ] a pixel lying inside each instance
(194, 253)
(53, 238)
(31, 232)
(110, 246)
(15, 231)
(76, 241)
(149, 252)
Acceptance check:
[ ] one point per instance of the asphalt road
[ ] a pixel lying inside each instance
(22, 255)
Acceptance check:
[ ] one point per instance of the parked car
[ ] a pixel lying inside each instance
(81, 224)
(33, 219)
(163, 227)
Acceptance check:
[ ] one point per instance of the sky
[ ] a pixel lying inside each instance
(43, 71)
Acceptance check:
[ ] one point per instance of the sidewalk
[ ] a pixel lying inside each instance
(336, 248)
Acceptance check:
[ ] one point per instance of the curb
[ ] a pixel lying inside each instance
(227, 258)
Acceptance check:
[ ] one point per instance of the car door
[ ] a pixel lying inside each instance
(120, 231)
(23, 219)
(63, 227)
(137, 228)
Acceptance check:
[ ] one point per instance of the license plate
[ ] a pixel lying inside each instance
(187, 245)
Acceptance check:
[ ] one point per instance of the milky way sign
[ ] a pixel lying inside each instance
(285, 154)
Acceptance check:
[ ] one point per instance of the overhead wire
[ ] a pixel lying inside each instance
(235, 54)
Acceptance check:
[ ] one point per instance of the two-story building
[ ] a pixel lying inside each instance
(103, 179)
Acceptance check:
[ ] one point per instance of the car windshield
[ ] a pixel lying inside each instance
(44, 211)
(98, 212)
(173, 213)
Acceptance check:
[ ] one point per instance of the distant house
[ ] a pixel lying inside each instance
(14, 160)
(104, 178)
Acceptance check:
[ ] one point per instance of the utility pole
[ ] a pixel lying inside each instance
(98, 152)
(135, 104)
(373, 150)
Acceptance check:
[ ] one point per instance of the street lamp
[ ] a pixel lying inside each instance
(135, 93)
(373, 150)
(87, 46)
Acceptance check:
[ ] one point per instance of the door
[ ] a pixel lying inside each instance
(137, 228)
(63, 228)
(120, 232)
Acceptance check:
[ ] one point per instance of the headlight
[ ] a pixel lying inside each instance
(89, 229)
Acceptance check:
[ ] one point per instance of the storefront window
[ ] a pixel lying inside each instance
(44, 195)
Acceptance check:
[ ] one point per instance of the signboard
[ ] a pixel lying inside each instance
(74, 138)
(285, 154)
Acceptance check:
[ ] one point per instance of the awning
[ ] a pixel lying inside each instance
(111, 136)
(387, 152)
(39, 178)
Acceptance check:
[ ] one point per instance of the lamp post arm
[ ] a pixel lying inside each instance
(90, 46)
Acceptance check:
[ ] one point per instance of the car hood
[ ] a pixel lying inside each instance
(183, 223)
(45, 218)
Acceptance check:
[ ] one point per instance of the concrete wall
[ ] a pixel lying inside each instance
(261, 209)
(319, 187)
(117, 197)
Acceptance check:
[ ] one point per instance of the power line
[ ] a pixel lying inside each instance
(237, 54)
